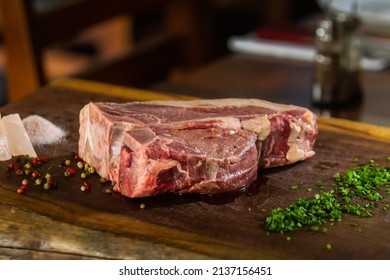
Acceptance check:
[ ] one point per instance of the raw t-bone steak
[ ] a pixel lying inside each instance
(198, 146)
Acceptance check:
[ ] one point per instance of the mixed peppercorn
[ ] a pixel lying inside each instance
(30, 170)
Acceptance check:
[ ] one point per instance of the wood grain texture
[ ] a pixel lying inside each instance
(65, 223)
(114, 91)
(379, 133)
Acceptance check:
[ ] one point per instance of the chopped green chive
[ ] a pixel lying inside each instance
(315, 228)
(305, 212)
(361, 183)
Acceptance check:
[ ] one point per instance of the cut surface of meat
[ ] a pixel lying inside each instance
(199, 146)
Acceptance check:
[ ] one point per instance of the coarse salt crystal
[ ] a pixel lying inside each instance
(41, 131)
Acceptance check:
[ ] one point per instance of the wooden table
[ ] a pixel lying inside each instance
(66, 223)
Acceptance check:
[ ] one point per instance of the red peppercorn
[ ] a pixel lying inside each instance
(34, 161)
(11, 166)
(50, 182)
(22, 189)
(35, 174)
(19, 172)
(71, 170)
(85, 187)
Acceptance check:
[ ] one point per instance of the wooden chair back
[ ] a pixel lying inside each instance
(28, 31)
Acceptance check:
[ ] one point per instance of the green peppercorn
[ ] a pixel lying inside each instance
(91, 170)
(80, 164)
(315, 228)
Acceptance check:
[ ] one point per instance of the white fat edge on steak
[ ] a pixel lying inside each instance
(106, 158)
(112, 160)
(84, 123)
(299, 145)
(261, 126)
(92, 133)
(223, 102)
(86, 138)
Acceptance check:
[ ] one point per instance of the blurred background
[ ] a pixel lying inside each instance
(28, 43)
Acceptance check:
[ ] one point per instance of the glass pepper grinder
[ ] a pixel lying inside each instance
(337, 62)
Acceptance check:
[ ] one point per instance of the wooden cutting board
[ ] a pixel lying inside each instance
(66, 223)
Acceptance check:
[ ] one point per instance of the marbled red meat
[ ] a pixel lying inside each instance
(199, 146)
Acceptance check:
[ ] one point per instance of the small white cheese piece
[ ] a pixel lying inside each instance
(18, 139)
(5, 152)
